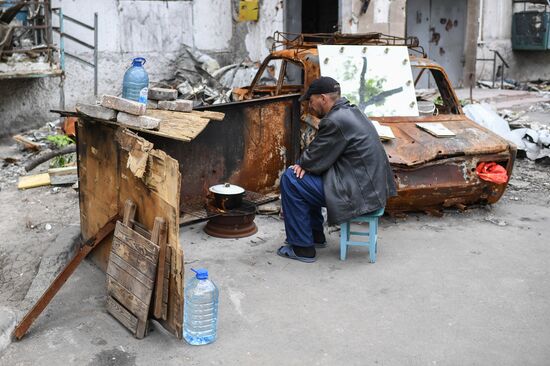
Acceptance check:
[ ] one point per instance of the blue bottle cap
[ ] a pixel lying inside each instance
(138, 61)
(201, 273)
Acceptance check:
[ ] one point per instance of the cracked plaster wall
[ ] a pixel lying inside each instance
(156, 30)
(384, 16)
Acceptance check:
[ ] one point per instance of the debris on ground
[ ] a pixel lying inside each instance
(199, 78)
(22, 47)
(26, 143)
(531, 138)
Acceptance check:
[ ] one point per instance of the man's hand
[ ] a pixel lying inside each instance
(298, 171)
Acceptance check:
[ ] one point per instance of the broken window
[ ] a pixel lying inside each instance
(433, 92)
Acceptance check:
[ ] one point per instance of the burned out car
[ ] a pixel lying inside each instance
(265, 128)
(431, 171)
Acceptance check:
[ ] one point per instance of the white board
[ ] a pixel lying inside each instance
(378, 79)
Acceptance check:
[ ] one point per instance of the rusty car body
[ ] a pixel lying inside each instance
(431, 173)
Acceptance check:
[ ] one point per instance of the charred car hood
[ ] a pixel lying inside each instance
(414, 146)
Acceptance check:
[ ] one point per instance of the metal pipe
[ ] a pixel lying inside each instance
(96, 53)
(494, 67)
(61, 61)
(74, 57)
(79, 22)
(61, 41)
(502, 76)
(74, 39)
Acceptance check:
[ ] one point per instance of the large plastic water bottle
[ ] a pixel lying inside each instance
(136, 82)
(200, 314)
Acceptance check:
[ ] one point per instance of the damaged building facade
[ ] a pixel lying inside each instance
(453, 33)
(161, 30)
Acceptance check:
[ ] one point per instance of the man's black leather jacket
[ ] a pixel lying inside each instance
(347, 152)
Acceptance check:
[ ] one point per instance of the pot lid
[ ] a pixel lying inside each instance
(226, 188)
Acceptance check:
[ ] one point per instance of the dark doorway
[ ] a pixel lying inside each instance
(319, 16)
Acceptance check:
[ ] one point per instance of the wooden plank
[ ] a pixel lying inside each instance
(32, 181)
(99, 178)
(215, 116)
(129, 213)
(138, 275)
(183, 125)
(161, 197)
(122, 315)
(130, 301)
(137, 288)
(65, 175)
(140, 229)
(63, 180)
(133, 258)
(27, 144)
(161, 241)
(137, 242)
(62, 277)
(106, 183)
(68, 170)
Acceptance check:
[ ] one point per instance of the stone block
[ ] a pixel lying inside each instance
(162, 94)
(152, 104)
(147, 122)
(179, 105)
(96, 111)
(123, 105)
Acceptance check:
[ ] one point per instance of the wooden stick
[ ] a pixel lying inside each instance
(129, 213)
(161, 242)
(45, 299)
(49, 155)
(28, 144)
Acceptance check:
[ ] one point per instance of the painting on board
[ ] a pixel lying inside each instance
(378, 79)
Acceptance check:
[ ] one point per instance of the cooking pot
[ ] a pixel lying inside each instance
(227, 196)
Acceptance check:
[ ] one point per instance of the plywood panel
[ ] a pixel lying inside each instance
(107, 182)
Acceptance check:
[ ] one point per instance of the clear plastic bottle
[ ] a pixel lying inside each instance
(135, 85)
(200, 313)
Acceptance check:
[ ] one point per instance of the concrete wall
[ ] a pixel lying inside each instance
(385, 16)
(496, 33)
(156, 30)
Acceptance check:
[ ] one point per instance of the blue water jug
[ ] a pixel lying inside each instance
(200, 312)
(136, 82)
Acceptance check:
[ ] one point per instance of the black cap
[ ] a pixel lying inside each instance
(323, 85)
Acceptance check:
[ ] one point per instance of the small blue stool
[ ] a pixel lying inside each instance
(372, 233)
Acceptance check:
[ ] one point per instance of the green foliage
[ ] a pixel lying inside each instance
(374, 87)
(350, 70)
(60, 141)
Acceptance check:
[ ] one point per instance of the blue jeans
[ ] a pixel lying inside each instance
(302, 200)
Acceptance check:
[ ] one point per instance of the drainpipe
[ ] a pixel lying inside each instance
(470, 43)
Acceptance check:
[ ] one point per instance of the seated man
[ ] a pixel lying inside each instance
(345, 168)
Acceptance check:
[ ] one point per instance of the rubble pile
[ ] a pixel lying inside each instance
(540, 86)
(201, 79)
(32, 145)
(532, 138)
(22, 48)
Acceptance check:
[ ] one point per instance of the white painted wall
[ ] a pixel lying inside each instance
(270, 20)
(496, 20)
(212, 24)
